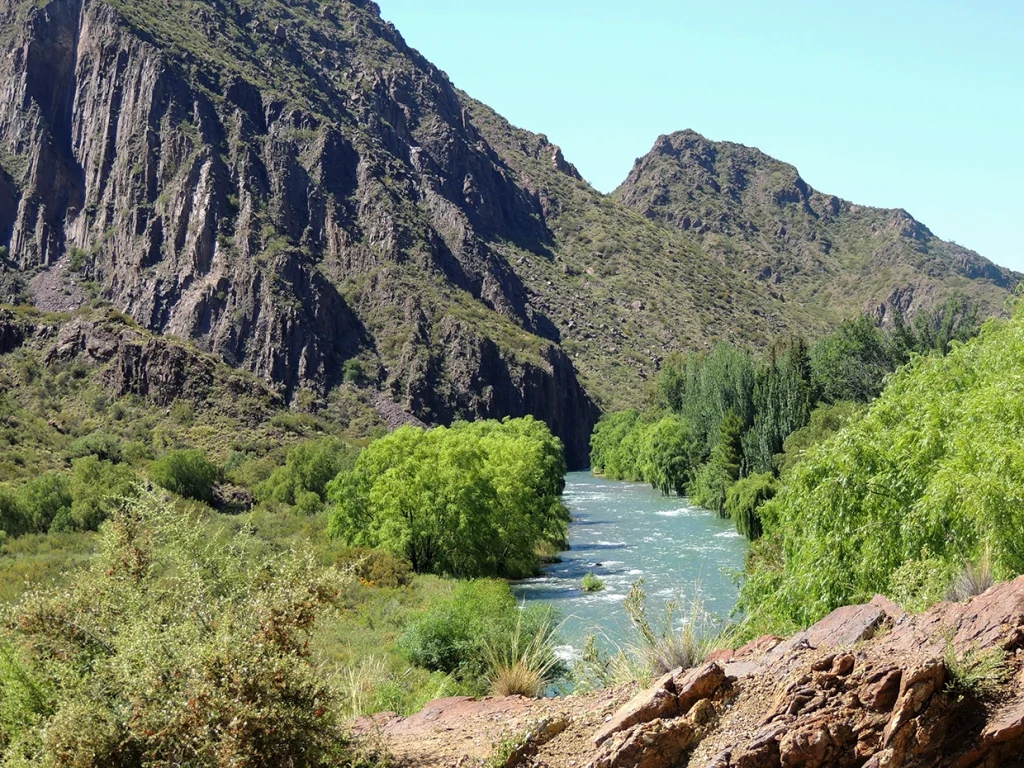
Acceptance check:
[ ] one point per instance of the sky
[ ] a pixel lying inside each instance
(916, 104)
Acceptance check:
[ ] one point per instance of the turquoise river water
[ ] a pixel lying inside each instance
(624, 531)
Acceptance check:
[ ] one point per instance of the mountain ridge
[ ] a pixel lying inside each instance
(293, 188)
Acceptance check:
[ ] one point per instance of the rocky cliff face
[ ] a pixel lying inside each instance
(759, 215)
(277, 182)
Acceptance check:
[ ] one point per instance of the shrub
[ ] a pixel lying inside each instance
(100, 444)
(187, 473)
(920, 582)
(524, 662)
(12, 517)
(469, 500)
(97, 488)
(592, 583)
(183, 413)
(974, 579)
(453, 635)
(79, 259)
(377, 568)
(974, 674)
(353, 372)
(745, 497)
(175, 648)
(45, 498)
(662, 648)
(309, 467)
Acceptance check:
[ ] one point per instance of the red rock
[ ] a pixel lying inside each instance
(658, 701)
(699, 683)
(882, 690)
(805, 748)
(658, 744)
(1006, 726)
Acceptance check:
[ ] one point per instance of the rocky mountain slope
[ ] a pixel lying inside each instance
(869, 686)
(292, 187)
(757, 215)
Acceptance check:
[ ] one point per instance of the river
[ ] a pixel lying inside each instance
(624, 531)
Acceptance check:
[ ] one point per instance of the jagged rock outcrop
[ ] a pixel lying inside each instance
(246, 200)
(869, 686)
(160, 369)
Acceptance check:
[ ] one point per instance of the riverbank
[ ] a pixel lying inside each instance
(868, 685)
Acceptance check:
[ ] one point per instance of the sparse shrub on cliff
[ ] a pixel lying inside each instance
(973, 673)
(100, 444)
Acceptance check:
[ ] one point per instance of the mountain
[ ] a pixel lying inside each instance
(757, 215)
(289, 186)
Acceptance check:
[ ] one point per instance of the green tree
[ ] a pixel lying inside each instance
(852, 363)
(743, 501)
(782, 403)
(12, 517)
(712, 480)
(45, 498)
(97, 488)
(308, 468)
(669, 454)
(469, 500)
(926, 482)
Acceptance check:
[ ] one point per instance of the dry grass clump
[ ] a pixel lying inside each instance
(523, 664)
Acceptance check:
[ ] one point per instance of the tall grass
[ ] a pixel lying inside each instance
(524, 663)
(973, 580)
(683, 636)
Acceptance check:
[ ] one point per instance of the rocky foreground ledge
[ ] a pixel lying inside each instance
(869, 685)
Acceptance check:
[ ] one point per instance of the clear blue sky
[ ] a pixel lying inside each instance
(916, 104)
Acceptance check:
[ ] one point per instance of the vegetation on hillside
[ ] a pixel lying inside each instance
(905, 499)
(725, 425)
(247, 480)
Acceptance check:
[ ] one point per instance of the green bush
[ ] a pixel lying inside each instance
(12, 517)
(931, 475)
(592, 583)
(308, 469)
(353, 372)
(187, 473)
(454, 634)
(471, 500)
(45, 498)
(376, 568)
(745, 497)
(173, 649)
(100, 444)
(97, 489)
